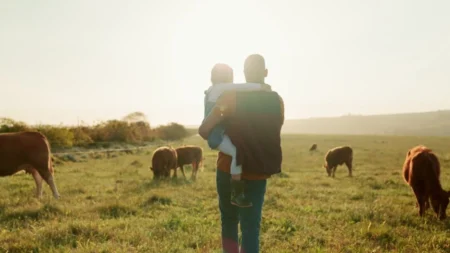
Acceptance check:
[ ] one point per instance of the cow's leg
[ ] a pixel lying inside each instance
(194, 170)
(421, 207)
(334, 170)
(349, 166)
(198, 165)
(50, 180)
(182, 171)
(175, 172)
(195, 166)
(420, 196)
(38, 181)
(427, 204)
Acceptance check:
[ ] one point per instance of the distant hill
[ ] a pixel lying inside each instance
(424, 123)
(435, 123)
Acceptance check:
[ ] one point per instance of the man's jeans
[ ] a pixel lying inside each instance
(231, 215)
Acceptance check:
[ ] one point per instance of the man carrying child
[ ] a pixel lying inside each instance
(244, 122)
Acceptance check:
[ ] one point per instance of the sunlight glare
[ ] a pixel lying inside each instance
(209, 34)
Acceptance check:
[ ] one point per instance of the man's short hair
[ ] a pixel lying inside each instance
(221, 73)
(254, 63)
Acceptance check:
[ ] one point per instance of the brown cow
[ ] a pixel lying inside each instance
(190, 154)
(28, 151)
(313, 147)
(338, 156)
(406, 164)
(164, 159)
(421, 171)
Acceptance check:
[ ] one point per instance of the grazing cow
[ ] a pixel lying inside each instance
(28, 151)
(313, 147)
(406, 165)
(338, 156)
(164, 159)
(190, 154)
(421, 171)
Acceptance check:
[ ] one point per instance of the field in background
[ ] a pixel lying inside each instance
(112, 205)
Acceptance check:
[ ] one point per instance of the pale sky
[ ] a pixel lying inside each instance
(96, 60)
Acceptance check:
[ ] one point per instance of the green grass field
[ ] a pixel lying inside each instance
(112, 205)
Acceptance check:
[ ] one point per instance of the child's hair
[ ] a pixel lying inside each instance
(221, 73)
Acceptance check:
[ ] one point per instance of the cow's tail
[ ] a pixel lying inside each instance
(350, 158)
(50, 164)
(50, 157)
(200, 164)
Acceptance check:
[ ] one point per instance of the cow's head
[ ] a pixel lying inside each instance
(156, 172)
(160, 171)
(440, 204)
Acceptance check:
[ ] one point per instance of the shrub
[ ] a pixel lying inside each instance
(142, 131)
(9, 125)
(57, 136)
(172, 132)
(81, 137)
(134, 128)
(121, 131)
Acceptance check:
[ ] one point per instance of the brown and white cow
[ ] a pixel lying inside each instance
(338, 156)
(190, 154)
(421, 171)
(28, 151)
(164, 159)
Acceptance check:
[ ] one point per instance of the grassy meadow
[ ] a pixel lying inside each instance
(112, 204)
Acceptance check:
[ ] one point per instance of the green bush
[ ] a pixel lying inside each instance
(142, 131)
(81, 137)
(132, 129)
(60, 136)
(121, 131)
(114, 131)
(9, 125)
(171, 132)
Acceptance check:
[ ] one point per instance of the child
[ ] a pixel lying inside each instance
(222, 80)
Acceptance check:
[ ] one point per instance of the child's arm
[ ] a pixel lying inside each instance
(214, 118)
(225, 106)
